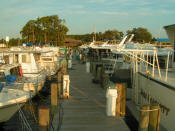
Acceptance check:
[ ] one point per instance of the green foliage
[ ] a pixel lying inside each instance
(109, 34)
(141, 34)
(48, 29)
(14, 42)
(112, 34)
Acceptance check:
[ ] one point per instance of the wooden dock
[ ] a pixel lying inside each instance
(86, 108)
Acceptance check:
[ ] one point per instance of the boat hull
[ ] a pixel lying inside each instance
(8, 111)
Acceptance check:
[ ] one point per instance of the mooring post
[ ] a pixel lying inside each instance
(59, 83)
(64, 70)
(105, 80)
(154, 118)
(66, 83)
(118, 101)
(99, 72)
(94, 69)
(44, 118)
(49, 78)
(123, 99)
(144, 118)
(54, 97)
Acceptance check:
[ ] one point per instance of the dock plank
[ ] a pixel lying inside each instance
(86, 108)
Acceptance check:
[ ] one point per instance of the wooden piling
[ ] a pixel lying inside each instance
(154, 118)
(144, 118)
(123, 99)
(49, 78)
(94, 69)
(105, 80)
(99, 72)
(118, 101)
(54, 97)
(44, 116)
(64, 70)
(59, 83)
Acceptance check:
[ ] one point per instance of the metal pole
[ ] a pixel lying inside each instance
(153, 64)
(158, 65)
(167, 66)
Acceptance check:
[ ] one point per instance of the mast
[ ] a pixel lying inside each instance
(95, 32)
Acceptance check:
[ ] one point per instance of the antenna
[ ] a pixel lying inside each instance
(95, 32)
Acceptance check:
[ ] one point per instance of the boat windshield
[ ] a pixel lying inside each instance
(2, 77)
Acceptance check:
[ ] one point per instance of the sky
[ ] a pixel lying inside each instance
(82, 15)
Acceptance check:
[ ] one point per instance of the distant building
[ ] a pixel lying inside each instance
(2, 45)
(163, 41)
(170, 30)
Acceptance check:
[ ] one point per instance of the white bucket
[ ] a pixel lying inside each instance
(87, 67)
(111, 96)
(66, 83)
(69, 64)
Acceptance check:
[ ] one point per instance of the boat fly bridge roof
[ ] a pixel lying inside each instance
(4, 67)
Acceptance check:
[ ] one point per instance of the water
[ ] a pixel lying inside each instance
(30, 111)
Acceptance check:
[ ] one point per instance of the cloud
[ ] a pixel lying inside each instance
(76, 12)
(113, 13)
(76, 6)
(96, 1)
(14, 12)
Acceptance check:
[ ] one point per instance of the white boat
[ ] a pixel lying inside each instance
(151, 83)
(49, 60)
(11, 100)
(33, 76)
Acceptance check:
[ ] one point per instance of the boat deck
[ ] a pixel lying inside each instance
(85, 109)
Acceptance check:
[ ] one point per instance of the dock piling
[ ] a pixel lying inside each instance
(44, 118)
(144, 118)
(154, 118)
(118, 101)
(59, 83)
(123, 99)
(54, 97)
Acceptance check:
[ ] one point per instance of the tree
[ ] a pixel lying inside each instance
(47, 29)
(140, 34)
(112, 34)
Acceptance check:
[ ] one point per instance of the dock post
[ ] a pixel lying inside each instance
(94, 69)
(105, 80)
(144, 118)
(66, 82)
(54, 97)
(64, 70)
(44, 118)
(123, 99)
(118, 101)
(154, 118)
(99, 72)
(49, 78)
(59, 83)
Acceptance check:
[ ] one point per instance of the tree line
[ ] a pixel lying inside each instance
(52, 30)
(47, 29)
(140, 35)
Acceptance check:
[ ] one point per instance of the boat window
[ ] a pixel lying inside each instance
(6, 59)
(2, 76)
(47, 59)
(25, 59)
(14, 71)
(16, 58)
(37, 56)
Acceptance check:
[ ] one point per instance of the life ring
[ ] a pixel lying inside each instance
(20, 71)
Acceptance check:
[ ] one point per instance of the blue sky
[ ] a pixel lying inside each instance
(81, 15)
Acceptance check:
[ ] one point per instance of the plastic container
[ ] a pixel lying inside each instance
(69, 64)
(111, 95)
(88, 67)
